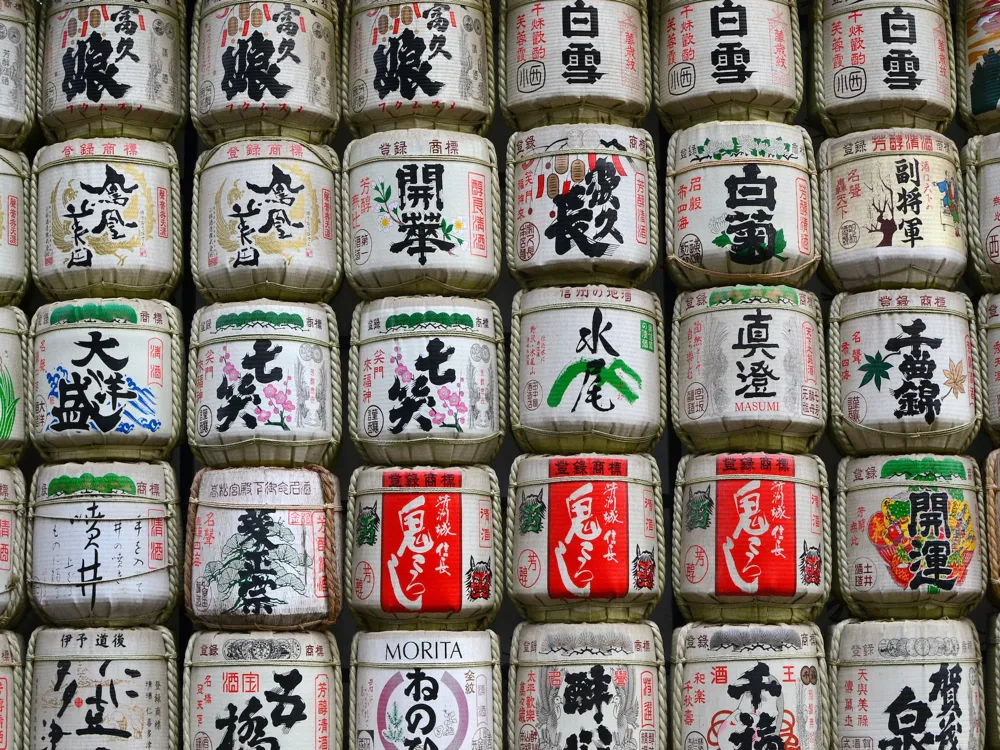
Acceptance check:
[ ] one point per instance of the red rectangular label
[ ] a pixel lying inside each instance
(327, 215)
(12, 220)
(162, 212)
(641, 210)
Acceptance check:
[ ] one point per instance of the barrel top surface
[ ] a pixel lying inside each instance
(268, 148)
(106, 149)
(872, 303)
(899, 642)
(704, 642)
(383, 479)
(734, 297)
(536, 300)
(536, 469)
(143, 482)
(891, 143)
(598, 643)
(173, 7)
(712, 143)
(838, 7)
(912, 470)
(444, 315)
(149, 315)
(427, 647)
(420, 143)
(11, 163)
(260, 647)
(12, 319)
(367, 6)
(269, 486)
(703, 468)
(228, 321)
(133, 643)
(219, 8)
(580, 138)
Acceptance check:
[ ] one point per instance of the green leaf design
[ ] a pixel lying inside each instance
(722, 240)
(779, 243)
(875, 368)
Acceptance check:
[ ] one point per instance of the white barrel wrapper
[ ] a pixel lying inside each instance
(424, 212)
(15, 376)
(582, 205)
(107, 377)
(13, 691)
(107, 219)
(105, 543)
(267, 221)
(426, 548)
(264, 384)
(15, 216)
(19, 84)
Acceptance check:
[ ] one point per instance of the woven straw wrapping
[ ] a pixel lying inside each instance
(714, 173)
(456, 584)
(880, 504)
(300, 512)
(19, 90)
(789, 575)
(891, 656)
(238, 668)
(16, 202)
(549, 411)
(112, 70)
(77, 514)
(630, 652)
(560, 169)
(464, 666)
(468, 419)
(751, 68)
(141, 343)
(717, 405)
(976, 65)
(991, 670)
(297, 378)
(863, 412)
(15, 374)
(990, 531)
(731, 657)
(626, 574)
(892, 204)
(126, 658)
(299, 96)
(13, 602)
(456, 88)
(387, 177)
(605, 79)
(903, 77)
(297, 258)
(131, 248)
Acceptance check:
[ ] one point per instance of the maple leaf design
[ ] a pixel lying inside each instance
(954, 377)
(876, 368)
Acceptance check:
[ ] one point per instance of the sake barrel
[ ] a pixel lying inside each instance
(425, 547)
(560, 685)
(107, 379)
(737, 385)
(19, 84)
(263, 70)
(903, 372)
(910, 541)
(597, 70)
(107, 219)
(988, 320)
(991, 665)
(15, 375)
(421, 65)
(605, 390)
(881, 64)
(751, 537)
(891, 677)
(424, 212)
(742, 204)
(264, 548)
(13, 538)
(275, 399)
(991, 508)
(128, 675)
(267, 221)
(287, 685)
(891, 211)
(586, 541)
(447, 686)
(105, 543)
(767, 683)
(585, 205)
(12, 709)
(15, 202)
(976, 56)
(981, 224)
(427, 381)
(748, 66)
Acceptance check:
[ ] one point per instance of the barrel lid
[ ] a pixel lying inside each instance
(886, 301)
(550, 140)
(268, 486)
(11, 649)
(102, 643)
(543, 469)
(726, 297)
(11, 487)
(215, 8)
(375, 480)
(537, 300)
(12, 320)
(427, 314)
(835, 7)
(901, 642)
(990, 309)
(228, 321)
(890, 143)
(267, 149)
(420, 143)
(16, 10)
(141, 314)
(143, 481)
(172, 7)
(719, 143)
(12, 163)
(703, 642)
(424, 647)
(596, 643)
(908, 470)
(366, 6)
(106, 150)
(710, 467)
(212, 647)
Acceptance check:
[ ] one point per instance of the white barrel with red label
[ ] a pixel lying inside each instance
(105, 543)
(751, 537)
(763, 684)
(19, 85)
(424, 547)
(883, 64)
(266, 221)
(741, 205)
(597, 68)
(427, 381)
(107, 378)
(892, 210)
(107, 219)
(15, 376)
(980, 217)
(113, 70)
(16, 207)
(582, 205)
(585, 538)
(727, 61)
(588, 370)
(264, 549)
(911, 541)
(110, 682)
(418, 65)
(14, 694)
(259, 69)
(424, 213)
(13, 540)
(424, 688)
(747, 369)
(264, 384)
(285, 687)
(589, 684)
(921, 680)
(904, 371)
